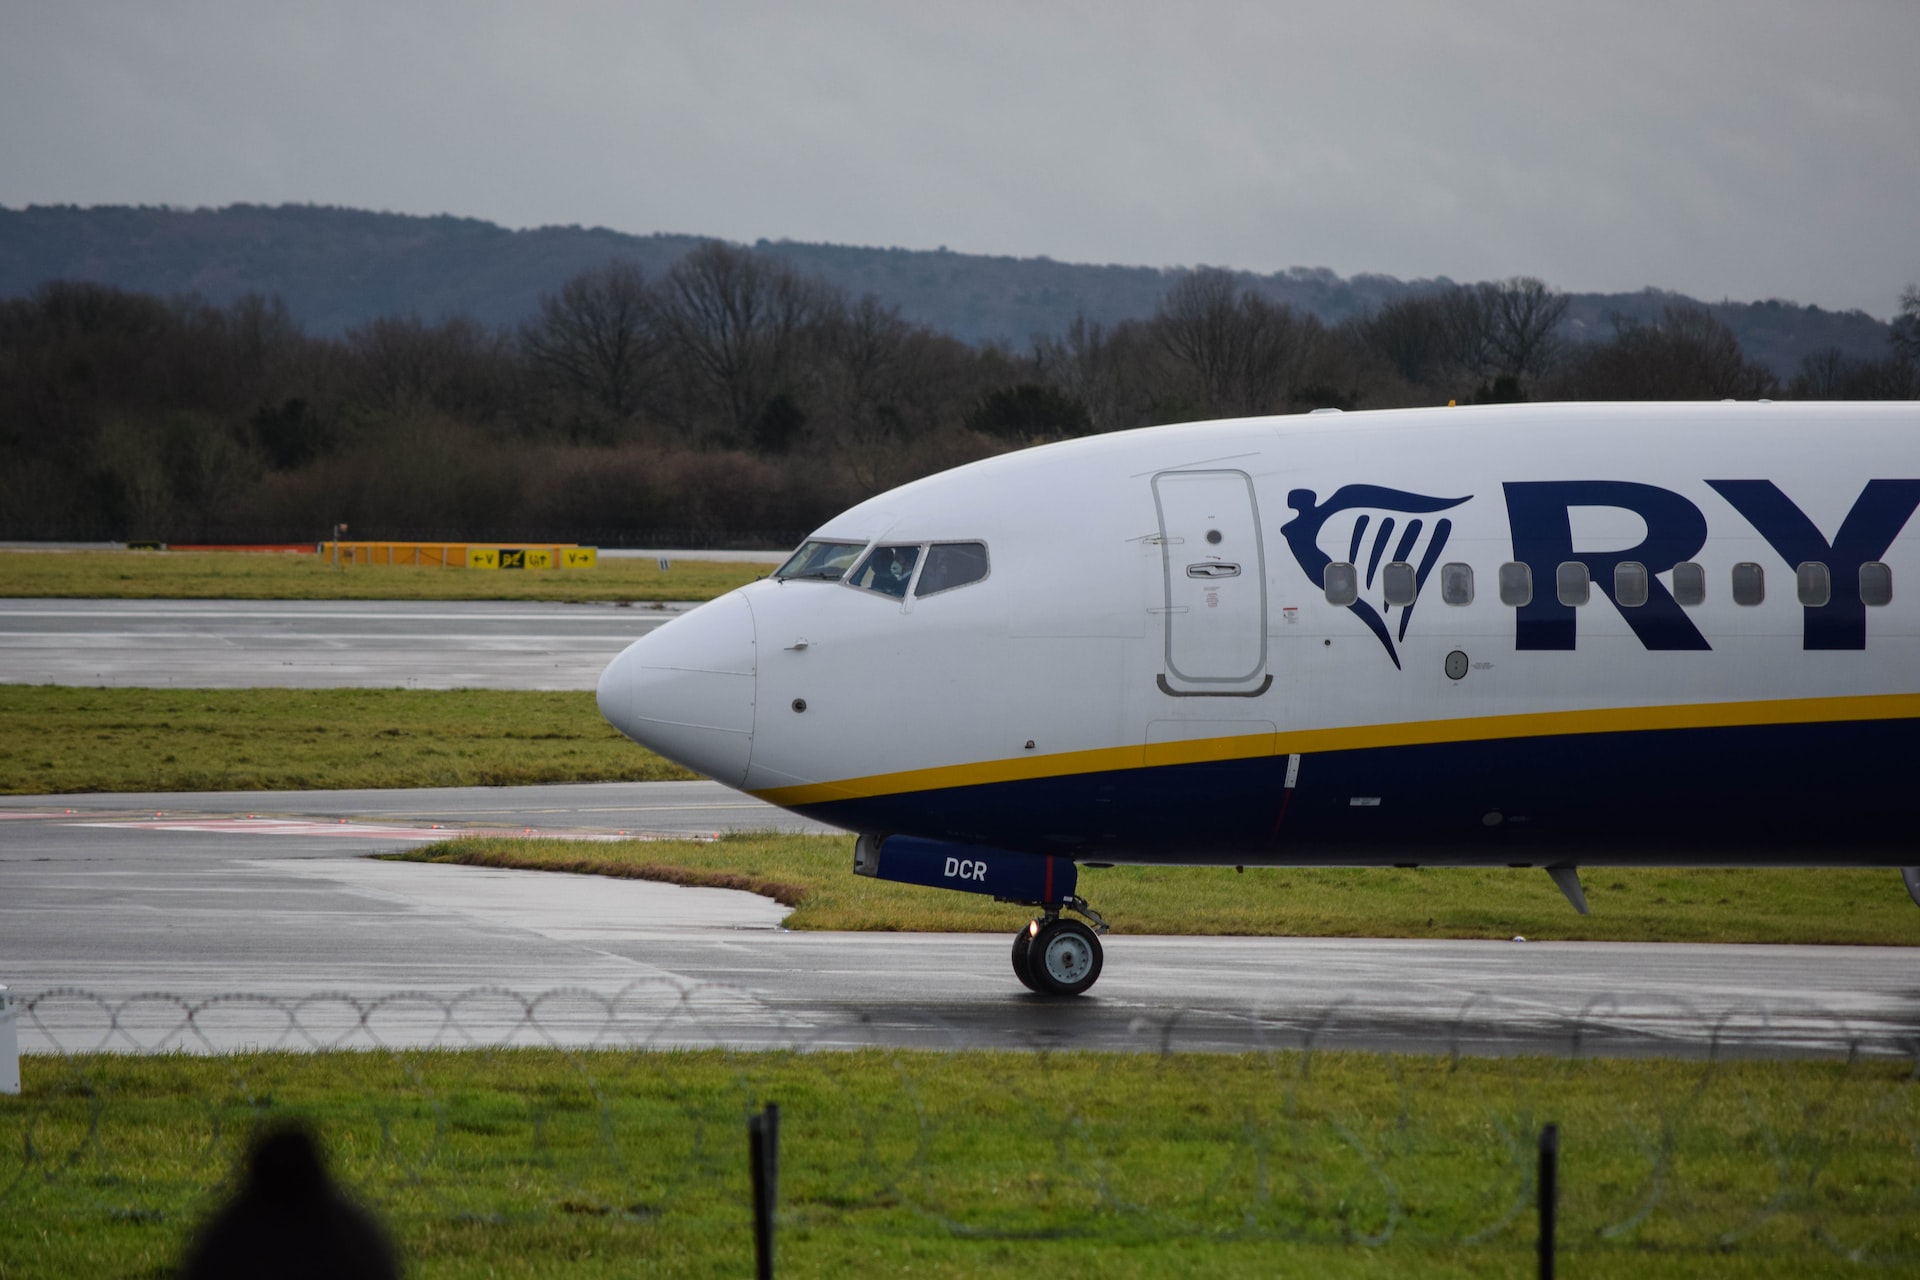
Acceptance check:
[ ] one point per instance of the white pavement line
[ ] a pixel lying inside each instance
(348, 829)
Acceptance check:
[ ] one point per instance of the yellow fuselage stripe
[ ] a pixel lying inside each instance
(1710, 715)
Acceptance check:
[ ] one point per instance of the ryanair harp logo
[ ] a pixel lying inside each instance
(1374, 526)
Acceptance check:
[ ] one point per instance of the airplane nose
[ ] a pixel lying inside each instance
(685, 689)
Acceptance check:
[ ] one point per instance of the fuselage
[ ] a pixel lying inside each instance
(1555, 634)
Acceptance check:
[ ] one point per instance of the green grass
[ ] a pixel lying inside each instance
(60, 740)
(229, 575)
(1691, 905)
(543, 1163)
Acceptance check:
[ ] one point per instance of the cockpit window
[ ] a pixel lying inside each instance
(820, 559)
(950, 565)
(888, 570)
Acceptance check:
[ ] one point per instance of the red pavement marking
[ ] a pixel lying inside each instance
(305, 547)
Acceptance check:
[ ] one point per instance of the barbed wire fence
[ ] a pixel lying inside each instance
(495, 1106)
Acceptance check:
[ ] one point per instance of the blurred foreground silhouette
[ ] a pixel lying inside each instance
(289, 1220)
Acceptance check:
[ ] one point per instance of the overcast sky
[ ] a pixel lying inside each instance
(1742, 149)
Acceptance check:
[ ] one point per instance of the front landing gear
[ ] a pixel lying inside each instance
(1052, 956)
(1059, 957)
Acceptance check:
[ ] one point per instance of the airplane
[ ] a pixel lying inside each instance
(1551, 636)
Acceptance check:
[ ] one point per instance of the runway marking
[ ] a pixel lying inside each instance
(630, 808)
(343, 828)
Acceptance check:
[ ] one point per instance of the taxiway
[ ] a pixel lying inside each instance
(221, 920)
(317, 644)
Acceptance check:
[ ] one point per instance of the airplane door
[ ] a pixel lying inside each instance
(1216, 584)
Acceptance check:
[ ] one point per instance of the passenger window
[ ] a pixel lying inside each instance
(1516, 584)
(887, 570)
(1571, 583)
(1813, 584)
(1399, 583)
(1749, 583)
(1456, 583)
(950, 565)
(1342, 583)
(1629, 584)
(1876, 584)
(1689, 583)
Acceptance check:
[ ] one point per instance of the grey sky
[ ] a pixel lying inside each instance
(1726, 148)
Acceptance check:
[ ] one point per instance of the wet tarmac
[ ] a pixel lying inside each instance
(223, 920)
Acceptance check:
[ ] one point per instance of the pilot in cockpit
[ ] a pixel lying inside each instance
(895, 571)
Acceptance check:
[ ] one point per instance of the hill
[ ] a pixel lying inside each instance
(338, 268)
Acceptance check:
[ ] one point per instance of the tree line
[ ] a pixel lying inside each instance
(731, 399)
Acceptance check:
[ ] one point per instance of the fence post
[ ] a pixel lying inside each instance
(763, 1152)
(1549, 1191)
(9, 1043)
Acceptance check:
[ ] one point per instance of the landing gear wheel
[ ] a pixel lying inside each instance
(1022, 947)
(1064, 958)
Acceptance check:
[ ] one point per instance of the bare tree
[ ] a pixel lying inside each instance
(736, 322)
(1823, 375)
(456, 366)
(864, 347)
(1526, 324)
(1906, 326)
(1827, 374)
(595, 338)
(1240, 348)
(1685, 355)
(1120, 374)
(1508, 330)
(1416, 336)
(264, 346)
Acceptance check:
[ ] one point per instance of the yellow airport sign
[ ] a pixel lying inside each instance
(547, 557)
(552, 555)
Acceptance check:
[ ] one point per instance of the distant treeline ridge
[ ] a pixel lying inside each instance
(731, 397)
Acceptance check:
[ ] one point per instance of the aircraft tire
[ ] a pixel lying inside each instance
(1022, 968)
(1065, 958)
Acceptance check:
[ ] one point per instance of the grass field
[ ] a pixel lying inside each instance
(538, 1163)
(229, 575)
(814, 874)
(60, 740)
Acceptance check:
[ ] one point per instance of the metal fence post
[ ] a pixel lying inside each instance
(9, 1043)
(763, 1152)
(1549, 1190)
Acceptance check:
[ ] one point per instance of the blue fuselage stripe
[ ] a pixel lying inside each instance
(1788, 793)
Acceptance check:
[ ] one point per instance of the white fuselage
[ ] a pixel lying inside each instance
(1159, 663)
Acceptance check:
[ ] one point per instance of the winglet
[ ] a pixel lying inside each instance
(1568, 878)
(1912, 876)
